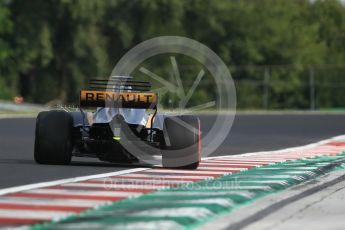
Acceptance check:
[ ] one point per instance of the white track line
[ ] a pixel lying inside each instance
(143, 225)
(225, 202)
(29, 214)
(299, 148)
(163, 177)
(115, 186)
(220, 168)
(82, 192)
(50, 202)
(229, 164)
(195, 193)
(115, 181)
(191, 212)
(240, 160)
(172, 171)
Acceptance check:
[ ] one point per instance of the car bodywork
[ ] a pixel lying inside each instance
(124, 106)
(126, 115)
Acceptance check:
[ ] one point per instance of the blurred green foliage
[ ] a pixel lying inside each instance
(49, 49)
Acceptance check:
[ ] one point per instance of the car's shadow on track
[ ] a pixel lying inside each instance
(77, 164)
(106, 164)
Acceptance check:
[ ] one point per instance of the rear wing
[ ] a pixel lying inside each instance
(119, 92)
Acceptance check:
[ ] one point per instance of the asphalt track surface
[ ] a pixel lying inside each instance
(250, 133)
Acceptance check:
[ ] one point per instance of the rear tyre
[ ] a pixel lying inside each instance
(182, 142)
(53, 138)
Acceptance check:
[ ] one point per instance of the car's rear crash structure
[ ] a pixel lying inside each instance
(126, 113)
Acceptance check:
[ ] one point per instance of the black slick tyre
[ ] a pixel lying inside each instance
(182, 142)
(53, 138)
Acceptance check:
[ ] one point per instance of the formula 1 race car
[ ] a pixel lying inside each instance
(124, 128)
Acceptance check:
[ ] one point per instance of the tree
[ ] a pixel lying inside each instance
(7, 84)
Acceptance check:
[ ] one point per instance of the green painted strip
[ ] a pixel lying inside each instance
(189, 206)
